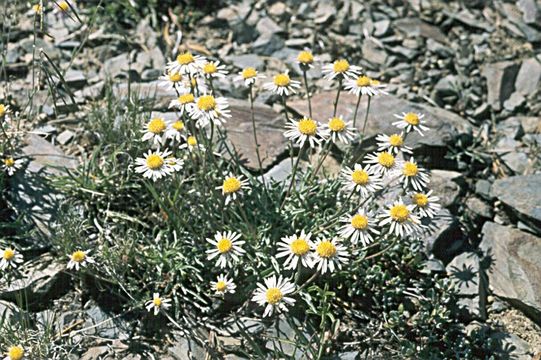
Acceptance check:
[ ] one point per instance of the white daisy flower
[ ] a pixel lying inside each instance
(158, 303)
(186, 63)
(223, 285)
(175, 130)
(191, 144)
(393, 143)
(305, 59)
(282, 85)
(363, 85)
(233, 186)
(361, 179)
(413, 175)
(410, 121)
(184, 103)
(249, 76)
(4, 110)
(360, 226)
(306, 129)
(227, 248)
(296, 248)
(403, 222)
(63, 7)
(425, 204)
(154, 165)
(79, 258)
(340, 68)
(210, 109)
(10, 257)
(155, 131)
(340, 130)
(213, 69)
(172, 81)
(11, 165)
(273, 294)
(15, 352)
(329, 254)
(383, 162)
(174, 163)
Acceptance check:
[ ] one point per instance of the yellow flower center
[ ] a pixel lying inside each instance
(274, 295)
(224, 245)
(410, 169)
(36, 8)
(412, 119)
(307, 126)
(374, 82)
(78, 256)
(9, 254)
(385, 159)
(400, 213)
(156, 126)
(206, 103)
(210, 68)
(175, 77)
(2, 110)
(359, 222)
(336, 124)
(340, 66)
(420, 200)
(281, 80)
(154, 161)
(178, 125)
(192, 141)
(396, 140)
(231, 185)
(360, 177)
(15, 353)
(157, 302)
(249, 73)
(186, 98)
(185, 59)
(305, 57)
(326, 249)
(9, 162)
(363, 81)
(63, 6)
(299, 247)
(221, 286)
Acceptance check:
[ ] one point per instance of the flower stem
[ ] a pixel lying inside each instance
(255, 134)
(307, 93)
(294, 172)
(356, 110)
(337, 97)
(365, 121)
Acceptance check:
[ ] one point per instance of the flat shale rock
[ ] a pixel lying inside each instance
(500, 79)
(514, 272)
(522, 193)
(445, 126)
(46, 156)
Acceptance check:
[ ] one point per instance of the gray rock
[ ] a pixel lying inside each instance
(530, 124)
(513, 259)
(445, 186)
(100, 323)
(278, 9)
(529, 76)
(445, 127)
(413, 27)
(280, 171)
(464, 272)
(373, 53)
(115, 66)
(500, 79)
(515, 101)
(531, 11)
(46, 156)
(292, 330)
(325, 13)
(520, 193)
(267, 26)
(150, 74)
(510, 346)
(92, 92)
(483, 189)
(511, 128)
(42, 279)
(381, 28)
(247, 60)
(433, 265)
(65, 137)
(75, 79)
(267, 43)
(185, 349)
(479, 207)
(516, 161)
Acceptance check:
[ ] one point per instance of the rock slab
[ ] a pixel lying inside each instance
(513, 258)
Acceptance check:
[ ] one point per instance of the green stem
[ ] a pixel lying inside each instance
(294, 172)
(357, 109)
(260, 163)
(335, 104)
(323, 156)
(307, 93)
(365, 121)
